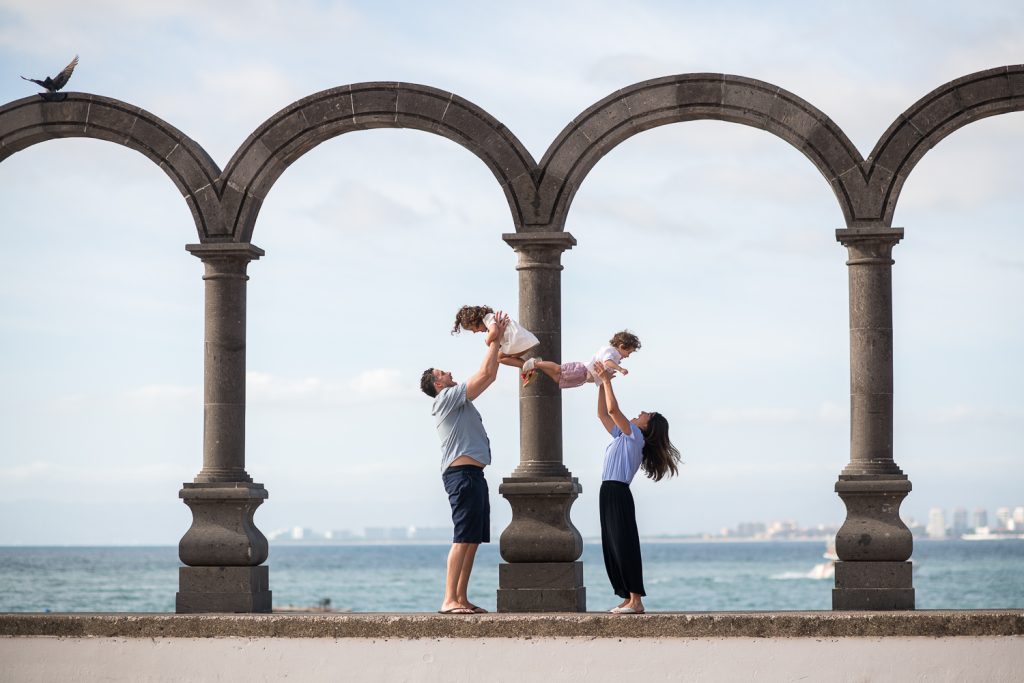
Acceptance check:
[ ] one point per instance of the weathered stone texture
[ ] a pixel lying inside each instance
(926, 623)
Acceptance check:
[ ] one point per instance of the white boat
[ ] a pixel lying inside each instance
(825, 570)
(983, 533)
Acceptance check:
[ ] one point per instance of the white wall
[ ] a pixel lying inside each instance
(989, 659)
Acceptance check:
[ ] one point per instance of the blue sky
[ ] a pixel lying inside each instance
(714, 242)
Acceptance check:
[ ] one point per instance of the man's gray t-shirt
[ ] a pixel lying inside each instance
(460, 427)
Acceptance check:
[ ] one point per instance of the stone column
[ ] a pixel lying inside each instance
(223, 549)
(873, 545)
(541, 547)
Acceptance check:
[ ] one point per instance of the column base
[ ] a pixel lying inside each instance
(873, 586)
(872, 599)
(541, 587)
(223, 589)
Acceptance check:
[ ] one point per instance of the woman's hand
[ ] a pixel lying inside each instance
(602, 372)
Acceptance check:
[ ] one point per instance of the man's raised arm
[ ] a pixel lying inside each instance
(488, 371)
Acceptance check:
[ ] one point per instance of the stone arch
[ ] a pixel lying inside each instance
(304, 124)
(688, 97)
(32, 120)
(939, 113)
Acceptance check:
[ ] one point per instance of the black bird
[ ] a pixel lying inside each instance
(54, 84)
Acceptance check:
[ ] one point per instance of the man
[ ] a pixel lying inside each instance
(465, 451)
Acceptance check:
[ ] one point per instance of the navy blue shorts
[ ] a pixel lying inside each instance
(470, 501)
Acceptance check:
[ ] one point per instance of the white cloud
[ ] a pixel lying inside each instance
(963, 413)
(619, 70)
(249, 87)
(380, 384)
(826, 413)
(38, 472)
(354, 205)
(166, 393)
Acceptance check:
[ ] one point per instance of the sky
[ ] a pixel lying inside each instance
(712, 241)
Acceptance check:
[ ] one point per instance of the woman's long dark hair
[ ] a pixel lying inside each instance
(660, 457)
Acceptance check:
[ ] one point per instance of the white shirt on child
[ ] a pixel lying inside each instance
(604, 353)
(516, 338)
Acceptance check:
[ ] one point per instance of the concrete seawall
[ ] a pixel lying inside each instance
(924, 645)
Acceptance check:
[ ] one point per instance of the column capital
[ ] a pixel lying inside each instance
(560, 240)
(870, 245)
(241, 250)
(539, 250)
(870, 232)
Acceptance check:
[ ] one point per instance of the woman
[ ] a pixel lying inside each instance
(638, 443)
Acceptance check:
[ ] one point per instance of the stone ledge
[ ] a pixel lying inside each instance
(924, 623)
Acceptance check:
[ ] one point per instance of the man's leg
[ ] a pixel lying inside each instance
(453, 580)
(462, 589)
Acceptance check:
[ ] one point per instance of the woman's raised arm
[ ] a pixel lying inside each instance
(607, 405)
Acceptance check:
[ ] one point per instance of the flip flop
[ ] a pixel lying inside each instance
(457, 610)
(625, 610)
(527, 377)
(478, 610)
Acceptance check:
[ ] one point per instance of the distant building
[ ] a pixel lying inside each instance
(917, 530)
(782, 529)
(1018, 517)
(750, 529)
(980, 518)
(936, 524)
(430, 533)
(387, 533)
(340, 535)
(960, 522)
(1003, 520)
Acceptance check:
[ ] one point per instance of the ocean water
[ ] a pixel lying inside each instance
(409, 578)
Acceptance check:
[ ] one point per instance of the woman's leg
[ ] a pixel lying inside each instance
(608, 506)
(620, 542)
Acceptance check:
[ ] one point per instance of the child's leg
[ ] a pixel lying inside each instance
(549, 368)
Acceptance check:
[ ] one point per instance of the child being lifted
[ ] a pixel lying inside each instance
(575, 374)
(516, 340)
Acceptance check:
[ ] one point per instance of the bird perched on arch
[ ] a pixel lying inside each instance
(54, 84)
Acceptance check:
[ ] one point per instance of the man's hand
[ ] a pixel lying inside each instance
(497, 328)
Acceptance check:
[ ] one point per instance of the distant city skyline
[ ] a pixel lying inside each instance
(1008, 519)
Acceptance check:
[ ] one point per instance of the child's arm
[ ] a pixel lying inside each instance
(616, 367)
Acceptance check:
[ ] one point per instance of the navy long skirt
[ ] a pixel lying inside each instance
(620, 540)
